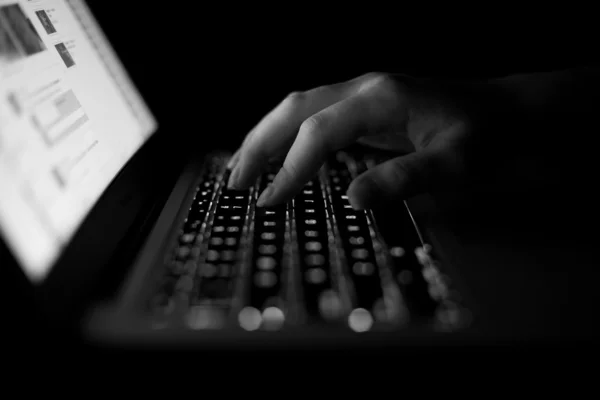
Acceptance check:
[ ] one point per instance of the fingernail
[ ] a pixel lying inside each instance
(355, 203)
(233, 179)
(265, 196)
(233, 160)
(360, 197)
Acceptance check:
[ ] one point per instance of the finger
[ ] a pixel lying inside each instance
(275, 133)
(233, 160)
(401, 178)
(331, 129)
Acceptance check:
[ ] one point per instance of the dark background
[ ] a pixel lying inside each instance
(212, 71)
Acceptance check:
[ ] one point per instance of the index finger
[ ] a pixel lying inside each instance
(331, 129)
(276, 132)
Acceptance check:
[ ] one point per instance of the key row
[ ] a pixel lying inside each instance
(324, 225)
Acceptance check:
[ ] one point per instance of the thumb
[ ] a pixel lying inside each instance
(401, 178)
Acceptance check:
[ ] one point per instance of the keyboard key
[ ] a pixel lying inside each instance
(363, 268)
(266, 263)
(314, 260)
(265, 279)
(267, 249)
(216, 241)
(208, 270)
(313, 246)
(316, 276)
(267, 236)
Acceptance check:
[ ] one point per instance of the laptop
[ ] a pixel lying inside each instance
(188, 261)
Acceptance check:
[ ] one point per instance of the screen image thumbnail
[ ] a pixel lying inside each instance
(65, 55)
(46, 23)
(8, 48)
(15, 24)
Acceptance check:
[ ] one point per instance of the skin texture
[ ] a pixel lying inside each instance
(455, 132)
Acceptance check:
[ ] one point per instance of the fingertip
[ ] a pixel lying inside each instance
(355, 197)
(247, 170)
(233, 182)
(265, 197)
(355, 203)
(233, 160)
(361, 193)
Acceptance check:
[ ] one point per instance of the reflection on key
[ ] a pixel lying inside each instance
(330, 305)
(266, 263)
(272, 318)
(357, 241)
(363, 268)
(206, 317)
(228, 255)
(208, 270)
(212, 255)
(316, 276)
(267, 249)
(360, 253)
(265, 279)
(313, 260)
(313, 246)
(267, 236)
(360, 320)
(250, 318)
(216, 241)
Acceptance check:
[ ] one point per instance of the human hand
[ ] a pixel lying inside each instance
(439, 119)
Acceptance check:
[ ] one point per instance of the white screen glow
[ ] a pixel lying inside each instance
(69, 121)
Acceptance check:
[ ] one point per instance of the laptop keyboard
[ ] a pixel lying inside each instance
(313, 262)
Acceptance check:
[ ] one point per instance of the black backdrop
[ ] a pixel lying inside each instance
(210, 72)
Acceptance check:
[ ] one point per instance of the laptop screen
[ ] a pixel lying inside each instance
(69, 121)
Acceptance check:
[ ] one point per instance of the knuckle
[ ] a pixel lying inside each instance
(383, 86)
(370, 75)
(313, 126)
(294, 99)
(289, 170)
(378, 79)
